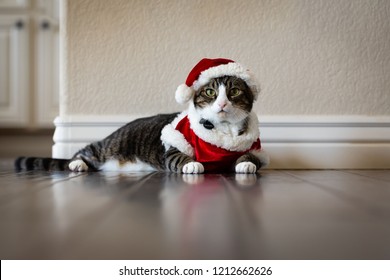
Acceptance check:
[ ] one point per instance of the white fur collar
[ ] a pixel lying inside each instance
(174, 138)
(226, 137)
(229, 139)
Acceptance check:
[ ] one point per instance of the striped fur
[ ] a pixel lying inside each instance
(136, 141)
(139, 144)
(36, 163)
(175, 160)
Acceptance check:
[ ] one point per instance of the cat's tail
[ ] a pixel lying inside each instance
(38, 163)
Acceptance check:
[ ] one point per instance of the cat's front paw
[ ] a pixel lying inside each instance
(78, 166)
(193, 168)
(246, 167)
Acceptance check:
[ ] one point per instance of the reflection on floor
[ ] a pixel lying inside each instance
(272, 215)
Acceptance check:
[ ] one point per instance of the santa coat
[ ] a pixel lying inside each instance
(216, 151)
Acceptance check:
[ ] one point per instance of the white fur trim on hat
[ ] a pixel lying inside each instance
(231, 69)
(184, 94)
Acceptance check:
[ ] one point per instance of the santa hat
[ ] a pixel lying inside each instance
(208, 69)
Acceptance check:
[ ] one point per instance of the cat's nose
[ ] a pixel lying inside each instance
(222, 105)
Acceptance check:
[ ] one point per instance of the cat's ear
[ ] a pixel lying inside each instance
(184, 94)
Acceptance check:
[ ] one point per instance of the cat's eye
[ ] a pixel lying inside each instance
(235, 92)
(210, 92)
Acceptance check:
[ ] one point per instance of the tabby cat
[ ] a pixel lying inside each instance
(217, 133)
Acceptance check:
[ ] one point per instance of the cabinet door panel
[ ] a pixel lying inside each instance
(14, 97)
(4, 67)
(47, 71)
(14, 3)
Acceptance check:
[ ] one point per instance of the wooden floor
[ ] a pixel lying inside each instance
(274, 215)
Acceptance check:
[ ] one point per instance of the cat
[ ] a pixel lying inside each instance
(218, 132)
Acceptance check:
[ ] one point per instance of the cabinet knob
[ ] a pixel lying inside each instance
(45, 25)
(19, 24)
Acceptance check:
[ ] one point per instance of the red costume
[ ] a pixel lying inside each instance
(213, 158)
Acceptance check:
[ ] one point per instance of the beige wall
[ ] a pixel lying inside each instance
(312, 57)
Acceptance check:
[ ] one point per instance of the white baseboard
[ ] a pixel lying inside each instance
(292, 142)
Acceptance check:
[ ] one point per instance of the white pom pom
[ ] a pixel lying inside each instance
(183, 94)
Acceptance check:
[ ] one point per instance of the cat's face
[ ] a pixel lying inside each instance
(225, 99)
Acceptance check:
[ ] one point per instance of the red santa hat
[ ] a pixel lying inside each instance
(208, 69)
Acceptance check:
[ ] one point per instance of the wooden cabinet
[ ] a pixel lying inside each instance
(29, 63)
